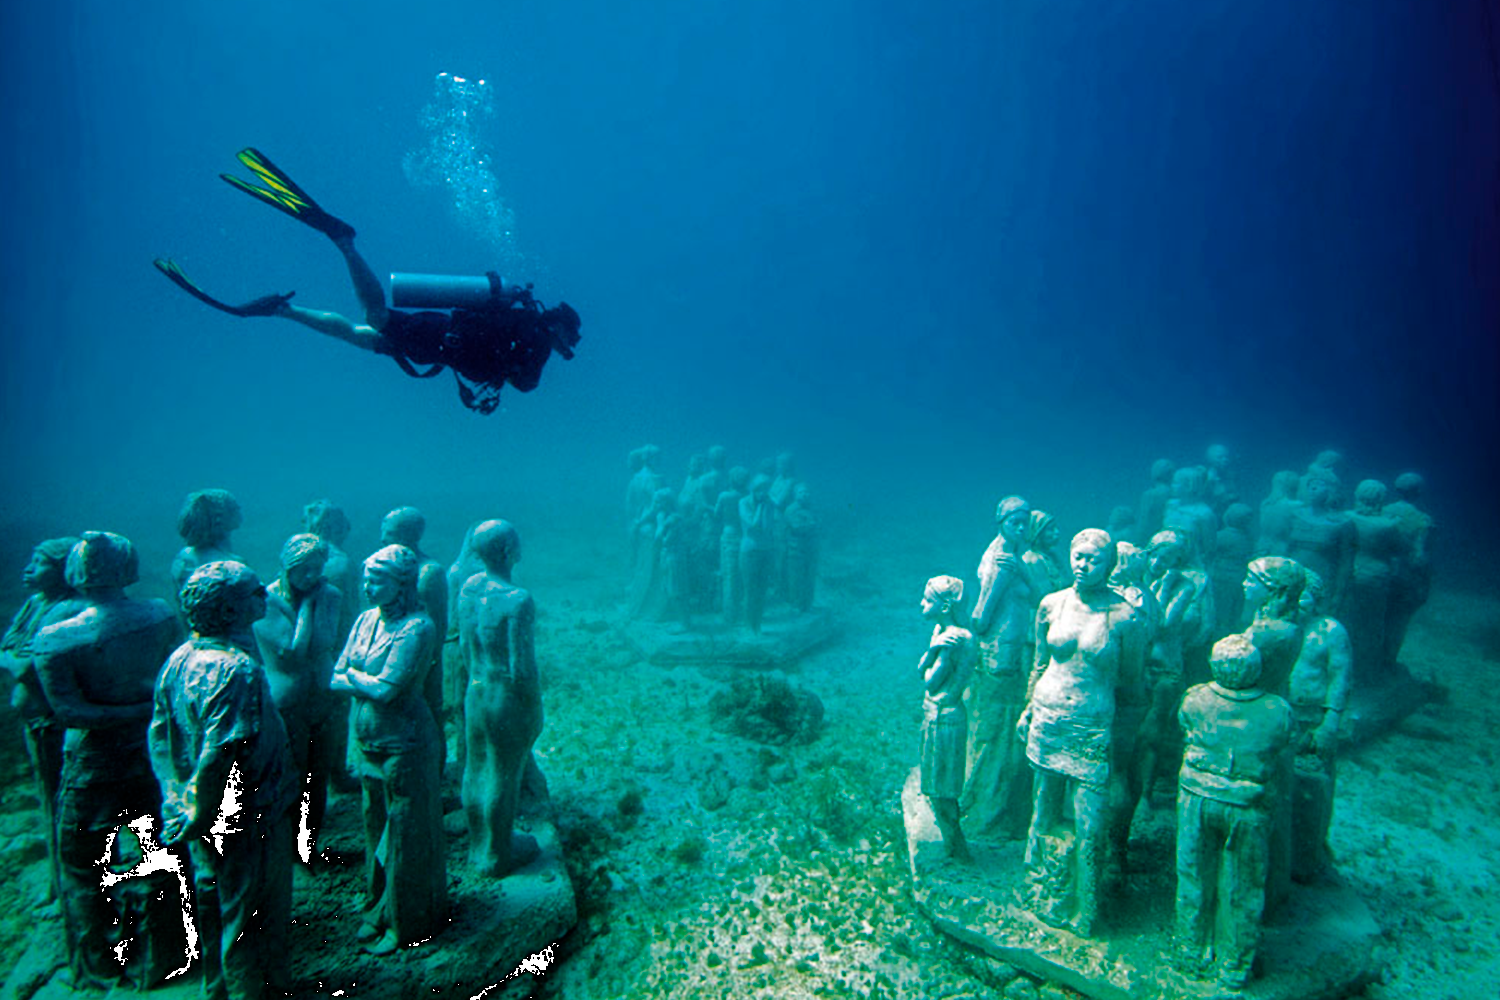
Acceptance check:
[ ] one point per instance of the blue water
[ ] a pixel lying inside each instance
(944, 251)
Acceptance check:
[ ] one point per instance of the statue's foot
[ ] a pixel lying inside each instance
(368, 931)
(384, 945)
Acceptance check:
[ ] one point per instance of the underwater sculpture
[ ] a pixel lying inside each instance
(299, 639)
(1319, 692)
(945, 667)
(801, 549)
(405, 526)
(1276, 512)
(644, 482)
(783, 483)
(97, 669)
(727, 516)
(1379, 550)
(205, 523)
(1153, 502)
(1233, 547)
(1221, 489)
(757, 543)
(213, 717)
(503, 703)
(1188, 512)
(1413, 580)
(396, 748)
(1320, 536)
(1090, 651)
(997, 789)
(329, 522)
(1236, 735)
(51, 599)
(1048, 574)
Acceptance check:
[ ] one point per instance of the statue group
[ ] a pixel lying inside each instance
(1207, 654)
(200, 729)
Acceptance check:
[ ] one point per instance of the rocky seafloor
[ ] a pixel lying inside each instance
(710, 863)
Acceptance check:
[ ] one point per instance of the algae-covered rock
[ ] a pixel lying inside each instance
(767, 710)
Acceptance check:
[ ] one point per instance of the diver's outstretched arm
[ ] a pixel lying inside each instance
(333, 325)
(366, 286)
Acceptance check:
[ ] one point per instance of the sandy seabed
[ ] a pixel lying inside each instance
(709, 865)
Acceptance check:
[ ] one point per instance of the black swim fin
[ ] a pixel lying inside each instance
(283, 194)
(266, 305)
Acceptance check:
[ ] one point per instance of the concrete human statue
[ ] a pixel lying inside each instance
(207, 520)
(1048, 572)
(1380, 550)
(757, 541)
(715, 479)
(1233, 548)
(727, 517)
(802, 546)
(782, 485)
(690, 497)
(1089, 647)
(1333, 467)
(1319, 692)
(503, 704)
(945, 667)
(1153, 502)
(1121, 523)
(1276, 512)
(1236, 736)
(405, 526)
(1413, 583)
(455, 673)
(97, 669)
(219, 750)
(51, 599)
(1321, 537)
(329, 522)
(395, 747)
(298, 639)
(1222, 487)
(644, 482)
(996, 798)
(1188, 512)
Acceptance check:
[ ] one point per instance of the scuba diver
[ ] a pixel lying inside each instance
(489, 333)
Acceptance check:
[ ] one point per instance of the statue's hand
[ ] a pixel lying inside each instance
(1023, 724)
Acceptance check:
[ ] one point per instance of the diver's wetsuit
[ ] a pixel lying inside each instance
(486, 347)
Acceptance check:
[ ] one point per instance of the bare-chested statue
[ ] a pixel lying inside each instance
(1153, 502)
(1380, 551)
(1276, 511)
(727, 517)
(503, 705)
(97, 669)
(997, 790)
(1414, 581)
(51, 600)
(298, 639)
(219, 749)
(205, 523)
(1188, 513)
(329, 522)
(757, 542)
(1318, 691)
(1089, 645)
(801, 549)
(945, 670)
(1321, 537)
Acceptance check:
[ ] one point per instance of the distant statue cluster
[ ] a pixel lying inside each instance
(1183, 641)
(722, 545)
(208, 723)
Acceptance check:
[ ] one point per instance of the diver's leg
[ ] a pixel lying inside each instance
(366, 286)
(332, 324)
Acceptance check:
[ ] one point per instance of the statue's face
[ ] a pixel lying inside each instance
(1090, 562)
(380, 587)
(1013, 527)
(1164, 558)
(304, 576)
(1049, 536)
(931, 609)
(1218, 457)
(1256, 591)
(43, 574)
(1315, 492)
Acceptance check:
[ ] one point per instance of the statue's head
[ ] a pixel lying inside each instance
(302, 560)
(1273, 584)
(697, 465)
(390, 581)
(1130, 565)
(1369, 496)
(326, 520)
(403, 526)
(1162, 470)
(1092, 555)
(1329, 459)
(718, 457)
(102, 560)
(802, 494)
(221, 599)
(739, 478)
(1217, 457)
(1284, 485)
(498, 546)
(46, 573)
(942, 599)
(1314, 593)
(1168, 551)
(760, 486)
(1042, 532)
(1238, 515)
(1121, 519)
(1235, 662)
(1013, 517)
(1409, 486)
(1318, 487)
(207, 517)
(1189, 482)
(786, 463)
